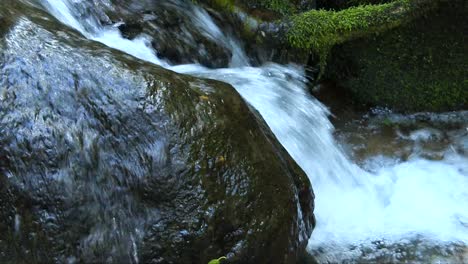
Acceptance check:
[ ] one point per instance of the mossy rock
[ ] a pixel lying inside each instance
(421, 66)
(320, 30)
(108, 159)
(343, 4)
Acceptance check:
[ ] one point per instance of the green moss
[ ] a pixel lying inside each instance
(420, 66)
(320, 30)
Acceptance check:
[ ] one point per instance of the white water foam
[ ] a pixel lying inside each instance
(140, 47)
(353, 207)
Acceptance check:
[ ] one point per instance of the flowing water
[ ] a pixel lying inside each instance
(415, 209)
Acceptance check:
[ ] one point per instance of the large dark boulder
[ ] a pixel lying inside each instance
(107, 159)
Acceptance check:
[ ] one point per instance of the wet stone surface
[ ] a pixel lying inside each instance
(107, 159)
(381, 133)
(176, 34)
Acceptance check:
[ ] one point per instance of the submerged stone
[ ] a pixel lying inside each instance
(104, 158)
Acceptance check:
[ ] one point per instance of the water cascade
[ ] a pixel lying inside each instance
(396, 203)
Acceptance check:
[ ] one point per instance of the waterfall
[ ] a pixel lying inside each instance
(398, 202)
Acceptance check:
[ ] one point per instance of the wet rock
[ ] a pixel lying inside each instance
(107, 159)
(263, 27)
(176, 34)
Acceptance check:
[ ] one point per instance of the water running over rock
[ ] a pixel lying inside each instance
(417, 204)
(105, 158)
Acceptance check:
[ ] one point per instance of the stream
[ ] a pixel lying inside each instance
(375, 200)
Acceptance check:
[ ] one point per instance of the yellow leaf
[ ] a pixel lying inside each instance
(216, 261)
(221, 159)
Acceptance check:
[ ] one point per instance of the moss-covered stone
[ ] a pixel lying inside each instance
(421, 66)
(320, 30)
